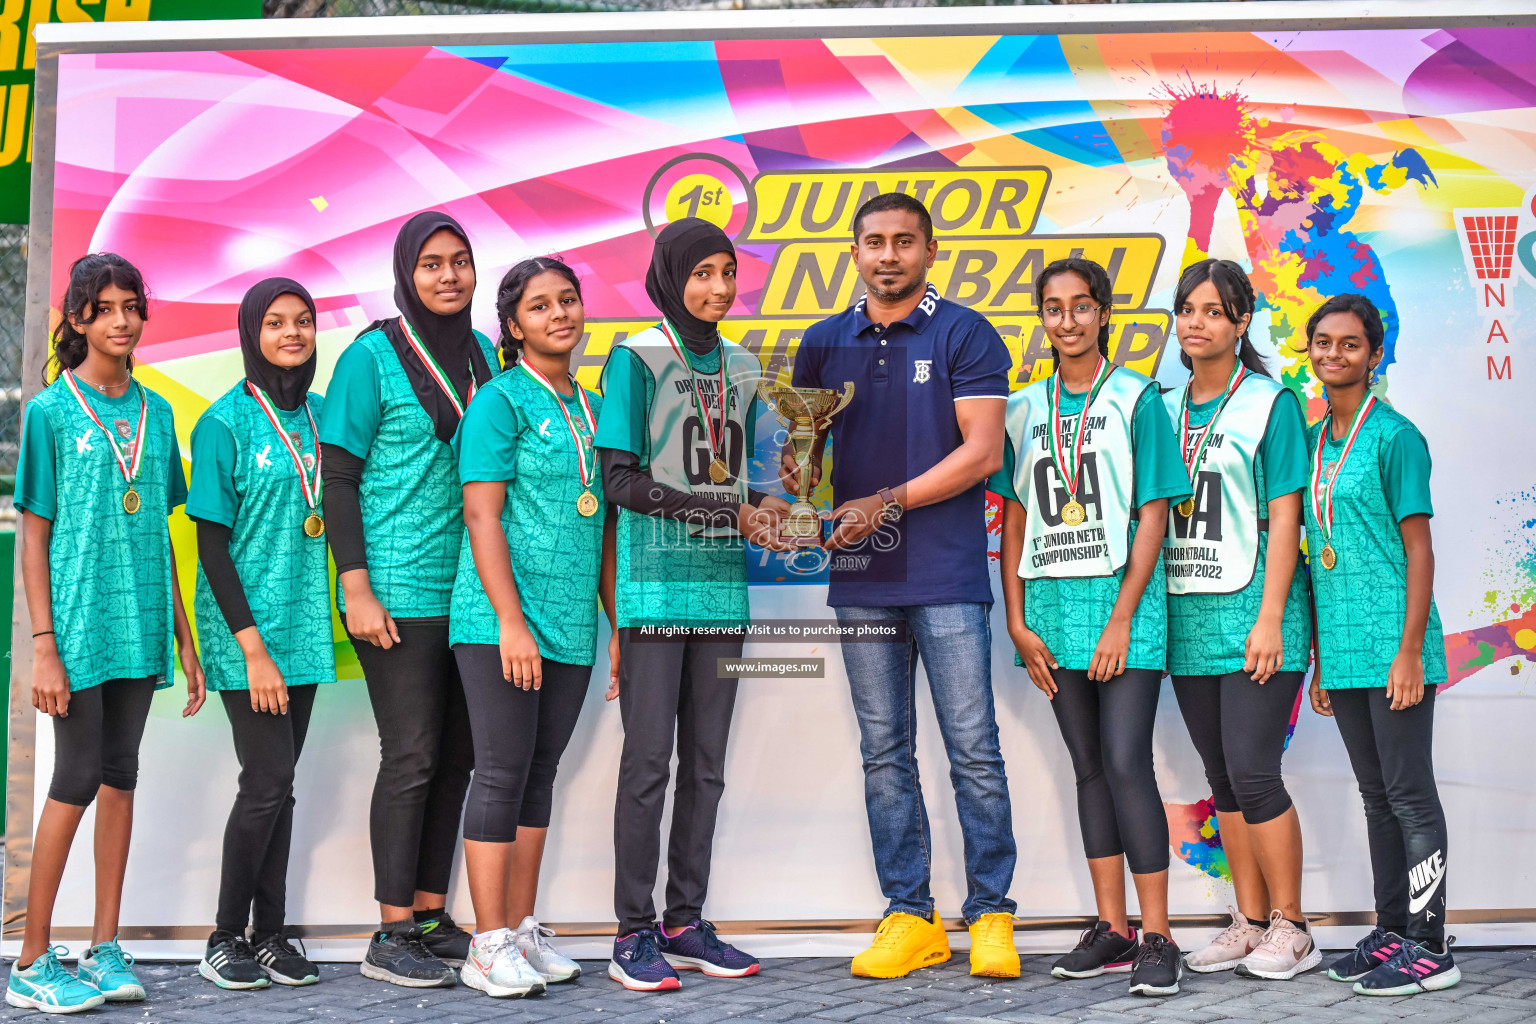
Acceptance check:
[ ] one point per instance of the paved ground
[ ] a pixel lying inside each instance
(1500, 988)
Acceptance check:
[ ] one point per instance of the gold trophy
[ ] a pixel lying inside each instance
(809, 412)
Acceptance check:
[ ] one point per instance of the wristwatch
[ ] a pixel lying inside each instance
(892, 510)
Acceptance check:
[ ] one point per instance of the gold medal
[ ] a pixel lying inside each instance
(1329, 557)
(719, 472)
(587, 503)
(1073, 513)
(314, 526)
(131, 501)
(1185, 508)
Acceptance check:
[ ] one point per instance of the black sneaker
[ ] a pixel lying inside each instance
(1157, 967)
(447, 941)
(1098, 951)
(228, 962)
(1369, 953)
(399, 957)
(284, 964)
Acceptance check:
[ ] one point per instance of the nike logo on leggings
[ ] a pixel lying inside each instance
(1425, 877)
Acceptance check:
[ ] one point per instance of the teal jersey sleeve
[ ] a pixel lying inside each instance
(176, 484)
(353, 402)
(212, 496)
(486, 443)
(622, 424)
(36, 482)
(1001, 482)
(1405, 469)
(1284, 448)
(1160, 469)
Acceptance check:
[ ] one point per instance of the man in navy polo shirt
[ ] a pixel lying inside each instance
(911, 452)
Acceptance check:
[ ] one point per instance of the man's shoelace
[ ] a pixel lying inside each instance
(1375, 940)
(540, 935)
(238, 951)
(280, 945)
(710, 939)
(893, 930)
(997, 928)
(53, 972)
(416, 946)
(1152, 953)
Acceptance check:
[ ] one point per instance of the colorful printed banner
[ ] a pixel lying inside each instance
(1397, 163)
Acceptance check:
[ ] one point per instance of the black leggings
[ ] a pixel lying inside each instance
(671, 697)
(1108, 730)
(425, 757)
(97, 743)
(519, 737)
(254, 875)
(1392, 753)
(1239, 728)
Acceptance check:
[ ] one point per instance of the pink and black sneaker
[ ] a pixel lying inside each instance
(1414, 968)
(1369, 953)
(696, 947)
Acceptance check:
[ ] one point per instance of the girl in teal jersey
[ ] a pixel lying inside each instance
(100, 471)
(395, 521)
(1239, 628)
(263, 612)
(525, 611)
(1380, 649)
(1090, 466)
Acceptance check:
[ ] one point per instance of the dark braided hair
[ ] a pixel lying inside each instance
(1237, 301)
(89, 276)
(509, 295)
(1099, 287)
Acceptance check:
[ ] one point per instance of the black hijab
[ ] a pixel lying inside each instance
(287, 386)
(681, 246)
(450, 339)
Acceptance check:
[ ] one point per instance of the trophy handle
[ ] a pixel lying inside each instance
(764, 392)
(841, 404)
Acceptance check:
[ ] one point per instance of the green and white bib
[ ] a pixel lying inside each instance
(1100, 545)
(1215, 550)
(109, 571)
(247, 481)
(670, 571)
(412, 505)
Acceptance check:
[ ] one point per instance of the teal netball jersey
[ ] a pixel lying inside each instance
(1363, 600)
(665, 575)
(244, 478)
(413, 509)
(1069, 614)
(515, 432)
(110, 572)
(1207, 631)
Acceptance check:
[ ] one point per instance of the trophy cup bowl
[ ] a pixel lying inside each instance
(809, 412)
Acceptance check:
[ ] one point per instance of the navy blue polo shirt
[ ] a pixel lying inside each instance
(901, 423)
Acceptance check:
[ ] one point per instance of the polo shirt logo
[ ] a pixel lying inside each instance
(263, 457)
(921, 370)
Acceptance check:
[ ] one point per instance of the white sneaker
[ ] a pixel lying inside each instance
(1284, 952)
(495, 967)
(532, 941)
(1227, 950)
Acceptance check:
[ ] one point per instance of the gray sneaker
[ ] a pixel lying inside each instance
(532, 941)
(1228, 949)
(1284, 952)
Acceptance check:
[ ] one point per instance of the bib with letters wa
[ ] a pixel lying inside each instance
(1100, 544)
(677, 444)
(1215, 550)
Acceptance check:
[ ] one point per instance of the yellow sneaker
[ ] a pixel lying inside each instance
(903, 943)
(992, 951)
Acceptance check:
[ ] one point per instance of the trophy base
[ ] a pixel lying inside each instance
(802, 527)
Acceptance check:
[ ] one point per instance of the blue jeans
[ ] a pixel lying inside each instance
(955, 643)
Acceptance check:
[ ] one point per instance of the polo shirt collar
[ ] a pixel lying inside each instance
(918, 319)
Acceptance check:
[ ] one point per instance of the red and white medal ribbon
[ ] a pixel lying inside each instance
(129, 468)
(1239, 371)
(310, 485)
(1322, 508)
(436, 370)
(715, 434)
(581, 449)
(1069, 480)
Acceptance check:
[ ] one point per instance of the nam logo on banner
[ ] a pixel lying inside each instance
(988, 257)
(1498, 248)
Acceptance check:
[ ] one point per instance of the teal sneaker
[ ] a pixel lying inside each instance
(111, 970)
(47, 986)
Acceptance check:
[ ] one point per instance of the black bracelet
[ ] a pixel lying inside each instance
(45, 632)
